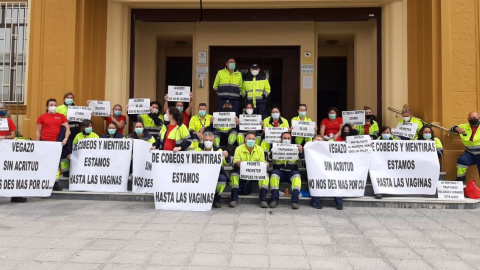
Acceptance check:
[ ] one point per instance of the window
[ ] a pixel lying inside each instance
(13, 51)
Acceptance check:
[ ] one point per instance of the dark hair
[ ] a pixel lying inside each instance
(384, 128)
(228, 59)
(420, 132)
(177, 102)
(85, 123)
(352, 131)
(302, 105)
(48, 101)
(286, 132)
(176, 115)
(202, 104)
(275, 107)
(251, 132)
(68, 94)
(112, 123)
(248, 102)
(333, 109)
(139, 121)
(156, 103)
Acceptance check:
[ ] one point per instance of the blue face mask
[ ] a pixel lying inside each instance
(386, 136)
(139, 130)
(112, 131)
(275, 115)
(69, 101)
(117, 112)
(427, 136)
(231, 66)
(88, 130)
(302, 114)
(180, 109)
(202, 112)
(250, 143)
(3, 113)
(286, 142)
(332, 116)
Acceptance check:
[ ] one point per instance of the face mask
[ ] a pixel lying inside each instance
(202, 113)
(180, 109)
(427, 136)
(227, 109)
(208, 144)
(332, 116)
(286, 142)
(249, 111)
(369, 116)
(155, 110)
(275, 115)
(231, 66)
(88, 130)
(386, 136)
(139, 130)
(68, 101)
(346, 133)
(3, 113)
(473, 122)
(250, 143)
(406, 118)
(117, 113)
(302, 114)
(255, 72)
(52, 109)
(166, 118)
(112, 131)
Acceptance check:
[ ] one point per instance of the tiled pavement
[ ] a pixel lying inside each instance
(61, 234)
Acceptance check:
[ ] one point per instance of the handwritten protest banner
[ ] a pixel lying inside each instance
(304, 129)
(138, 106)
(100, 108)
(178, 93)
(224, 120)
(250, 122)
(253, 170)
(354, 117)
(79, 113)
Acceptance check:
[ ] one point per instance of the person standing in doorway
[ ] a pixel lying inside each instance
(227, 85)
(256, 89)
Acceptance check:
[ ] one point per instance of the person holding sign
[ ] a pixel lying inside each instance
(175, 137)
(208, 138)
(141, 133)
(112, 132)
(63, 109)
(7, 127)
(370, 127)
(152, 122)
(273, 121)
(116, 117)
(248, 110)
(426, 133)
(302, 116)
(227, 134)
(86, 132)
(330, 127)
(247, 152)
(227, 85)
(470, 137)
(347, 130)
(201, 123)
(180, 106)
(256, 89)
(286, 171)
(407, 118)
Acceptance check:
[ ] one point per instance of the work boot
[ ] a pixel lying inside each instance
(378, 196)
(340, 207)
(217, 201)
(315, 204)
(57, 187)
(273, 204)
(263, 204)
(294, 205)
(18, 199)
(233, 204)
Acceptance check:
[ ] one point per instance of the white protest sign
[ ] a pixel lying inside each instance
(451, 190)
(406, 129)
(354, 117)
(4, 124)
(142, 173)
(404, 167)
(179, 93)
(282, 151)
(138, 106)
(359, 144)
(253, 170)
(100, 108)
(79, 113)
(29, 168)
(185, 180)
(250, 122)
(224, 120)
(304, 129)
(332, 172)
(100, 165)
(274, 134)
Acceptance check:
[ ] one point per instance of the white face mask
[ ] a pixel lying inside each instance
(249, 111)
(208, 144)
(255, 72)
(406, 118)
(166, 118)
(155, 110)
(52, 109)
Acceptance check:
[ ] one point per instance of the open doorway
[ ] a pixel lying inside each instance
(332, 84)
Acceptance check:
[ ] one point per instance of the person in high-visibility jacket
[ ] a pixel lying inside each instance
(407, 118)
(140, 133)
(74, 130)
(385, 133)
(470, 136)
(86, 132)
(286, 172)
(227, 85)
(227, 161)
(175, 137)
(227, 135)
(200, 123)
(370, 127)
(272, 121)
(152, 122)
(248, 110)
(248, 151)
(256, 89)
(302, 116)
(426, 133)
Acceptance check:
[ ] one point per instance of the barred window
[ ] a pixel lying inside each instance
(13, 50)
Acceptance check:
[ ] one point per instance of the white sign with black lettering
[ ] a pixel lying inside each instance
(451, 191)
(282, 151)
(100, 165)
(332, 172)
(79, 113)
(4, 124)
(253, 170)
(179, 93)
(185, 180)
(404, 167)
(354, 117)
(138, 106)
(304, 129)
(274, 134)
(100, 108)
(359, 144)
(406, 129)
(142, 171)
(224, 120)
(250, 122)
(28, 168)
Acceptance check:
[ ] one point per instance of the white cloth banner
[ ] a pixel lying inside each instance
(100, 165)
(185, 180)
(404, 167)
(359, 144)
(332, 172)
(253, 170)
(354, 117)
(79, 113)
(304, 129)
(4, 124)
(142, 171)
(250, 122)
(138, 106)
(178, 93)
(100, 108)
(282, 151)
(28, 168)
(224, 120)
(406, 129)
(274, 134)
(451, 190)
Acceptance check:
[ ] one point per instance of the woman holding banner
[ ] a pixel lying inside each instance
(330, 127)
(248, 110)
(141, 133)
(112, 132)
(426, 133)
(407, 118)
(272, 121)
(302, 116)
(116, 117)
(176, 136)
(347, 130)
(180, 106)
(370, 127)
(86, 132)
(152, 122)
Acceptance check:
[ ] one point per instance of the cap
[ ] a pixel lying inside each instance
(228, 101)
(255, 66)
